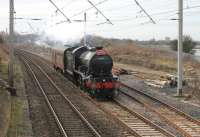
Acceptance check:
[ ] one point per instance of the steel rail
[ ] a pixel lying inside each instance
(152, 124)
(63, 132)
(68, 101)
(135, 114)
(147, 121)
(124, 126)
(186, 132)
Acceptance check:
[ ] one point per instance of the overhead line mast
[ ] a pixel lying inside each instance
(83, 11)
(85, 29)
(11, 33)
(180, 48)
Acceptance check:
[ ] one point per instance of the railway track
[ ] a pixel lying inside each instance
(146, 123)
(69, 120)
(104, 125)
(185, 124)
(135, 122)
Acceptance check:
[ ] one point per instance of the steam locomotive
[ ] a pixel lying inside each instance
(90, 67)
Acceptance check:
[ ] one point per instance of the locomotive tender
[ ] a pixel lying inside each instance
(90, 68)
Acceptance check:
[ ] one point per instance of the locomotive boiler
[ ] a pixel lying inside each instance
(90, 67)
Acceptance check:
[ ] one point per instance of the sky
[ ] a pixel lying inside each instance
(129, 22)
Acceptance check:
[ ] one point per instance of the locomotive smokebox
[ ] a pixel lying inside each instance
(98, 62)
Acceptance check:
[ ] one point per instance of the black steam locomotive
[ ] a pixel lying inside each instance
(90, 67)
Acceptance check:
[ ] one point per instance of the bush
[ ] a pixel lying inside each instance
(188, 44)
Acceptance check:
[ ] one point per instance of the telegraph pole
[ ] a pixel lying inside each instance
(11, 33)
(85, 27)
(180, 48)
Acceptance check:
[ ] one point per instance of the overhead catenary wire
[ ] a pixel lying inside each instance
(107, 20)
(60, 11)
(129, 19)
(83, 11)
(173, 12)
(145, 12)
(139, 24)
(69, 3)
(33, 19)
(117, 20)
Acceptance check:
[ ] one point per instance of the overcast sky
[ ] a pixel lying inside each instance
(128, 20)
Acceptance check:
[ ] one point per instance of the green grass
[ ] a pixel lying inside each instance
(19, 123)
(4, 71)
(4, 111)
(16, 109)
(4, 99)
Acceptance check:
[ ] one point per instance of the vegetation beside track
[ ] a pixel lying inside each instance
(5, 100)
(20, 124)
(13, 110)
(153, 58)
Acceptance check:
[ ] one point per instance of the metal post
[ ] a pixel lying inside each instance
(11, 32)
(180, 48)
(11, 21)
(85, 27)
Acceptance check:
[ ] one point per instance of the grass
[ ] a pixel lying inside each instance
(16, 110)
(5, 101)
(3, 64)
(4, 71)
(4, 111)
(15, 115)
(153, 58)
(19, 123)
(157, 59)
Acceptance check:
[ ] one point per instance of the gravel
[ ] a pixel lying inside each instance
(165, 95)
(43, 122)
(104, 124)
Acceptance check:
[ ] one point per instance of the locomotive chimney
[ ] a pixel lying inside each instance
(99, 48)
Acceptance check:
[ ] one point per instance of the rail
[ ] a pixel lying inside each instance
(95, 133)
(184, 123)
